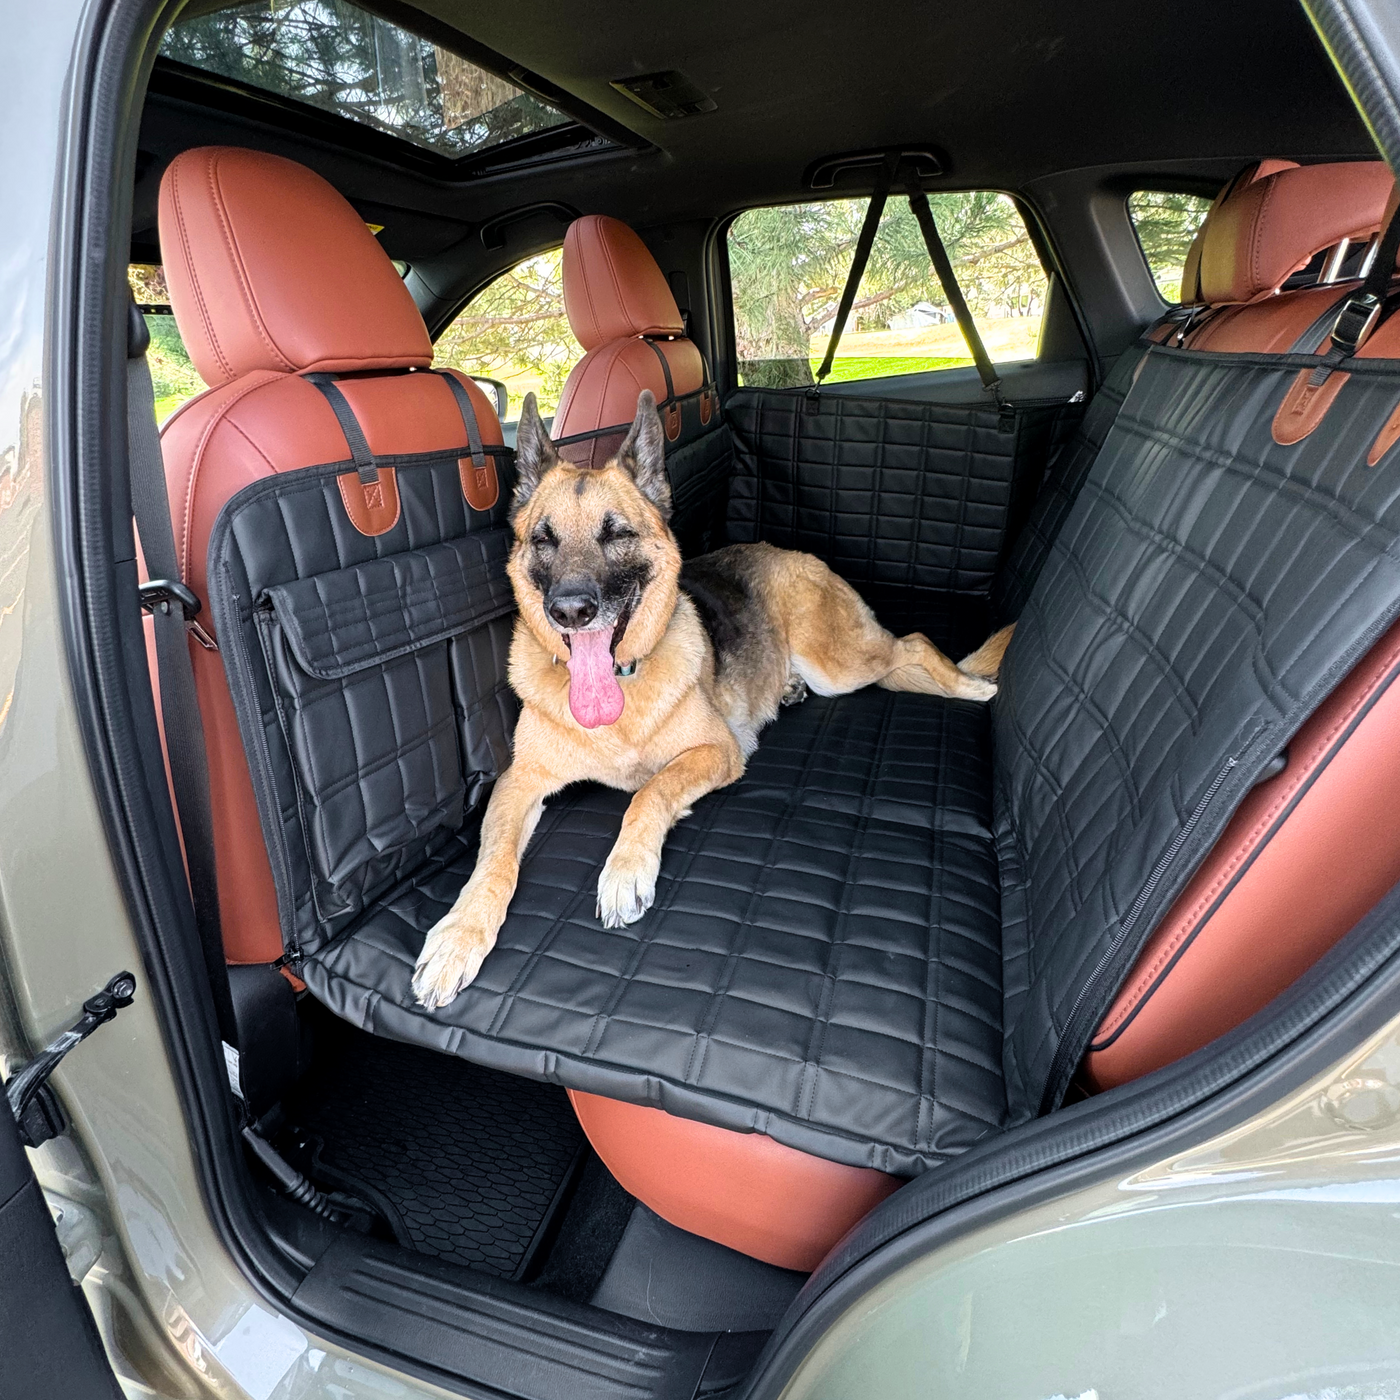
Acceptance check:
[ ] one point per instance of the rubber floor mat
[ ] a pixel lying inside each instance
(468, 1164)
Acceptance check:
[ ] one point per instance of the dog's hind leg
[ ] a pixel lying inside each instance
(986, 660)
(837, 646)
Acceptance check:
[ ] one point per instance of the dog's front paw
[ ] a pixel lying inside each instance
(975, 688)
(452, 955)
(627, 886)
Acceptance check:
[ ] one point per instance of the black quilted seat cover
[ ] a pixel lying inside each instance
(1208, 588)
(892, 936)
(823, 963)
(887, 491)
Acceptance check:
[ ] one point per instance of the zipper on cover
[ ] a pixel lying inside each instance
(1070, 1037)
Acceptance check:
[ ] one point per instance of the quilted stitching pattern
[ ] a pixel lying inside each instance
(1206, 590)
(369, 676)
(874, 945)
(822, 963)
(884, 491)
(1064, 476)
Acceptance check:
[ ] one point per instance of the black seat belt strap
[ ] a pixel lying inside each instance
(938, 255)
(1359, 313)
(864, 243)
(173, 607)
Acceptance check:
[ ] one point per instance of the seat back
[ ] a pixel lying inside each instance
(1208, 589)
(274, 278)
(623, 314)
(1313, 205)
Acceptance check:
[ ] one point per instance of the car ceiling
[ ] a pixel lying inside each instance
(1008, 90)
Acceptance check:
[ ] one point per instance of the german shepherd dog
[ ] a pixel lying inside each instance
(652, 676)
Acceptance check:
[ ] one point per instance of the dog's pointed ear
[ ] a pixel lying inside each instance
(643, 453)
(534, 453)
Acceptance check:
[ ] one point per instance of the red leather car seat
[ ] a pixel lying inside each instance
(273, 275)
(623, 314)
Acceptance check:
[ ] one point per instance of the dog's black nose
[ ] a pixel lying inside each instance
(572, 610)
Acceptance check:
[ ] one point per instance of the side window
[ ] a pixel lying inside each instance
(788, 264)
(1165, 222)
(515, 331)
(173, 377)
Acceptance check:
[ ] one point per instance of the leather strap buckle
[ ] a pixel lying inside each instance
(1355, 321)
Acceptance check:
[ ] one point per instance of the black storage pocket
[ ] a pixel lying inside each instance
(368, 666)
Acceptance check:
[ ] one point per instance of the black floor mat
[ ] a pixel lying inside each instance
(468, 1164)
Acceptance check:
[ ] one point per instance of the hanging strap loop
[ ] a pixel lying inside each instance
(355, 440)
(864, 243)
(468, 412)
(942, 265)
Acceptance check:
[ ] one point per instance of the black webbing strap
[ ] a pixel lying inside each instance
(864, 243)
(173, 607)
(349, 425)
(468, 412)
(1359, 313)
(665, 367)
(938, 255)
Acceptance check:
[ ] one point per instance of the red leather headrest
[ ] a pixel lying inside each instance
(270, 269)
(1191, 269)
(613, 288)
(1263, 231)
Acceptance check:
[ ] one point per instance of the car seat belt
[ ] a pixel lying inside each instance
(864, 243)
(1362, 310)
(942, 265)
(174, 607)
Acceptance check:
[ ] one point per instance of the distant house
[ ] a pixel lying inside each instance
(922, 313)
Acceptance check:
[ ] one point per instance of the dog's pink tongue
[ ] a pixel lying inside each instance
(594, 695)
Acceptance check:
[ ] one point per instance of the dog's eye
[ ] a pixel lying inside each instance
(614, 529)
(543, 536)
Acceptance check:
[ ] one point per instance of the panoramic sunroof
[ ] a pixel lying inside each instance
(343, 59)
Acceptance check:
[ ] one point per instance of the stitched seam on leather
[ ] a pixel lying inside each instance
(241, 272)
(185, 250)
(1256, 241)
(1248, 843)
(694, 1070)
(617, 284)
(816, 1038)
(260, 378)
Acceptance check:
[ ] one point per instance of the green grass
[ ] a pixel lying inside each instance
(167, 405)
(878, 367)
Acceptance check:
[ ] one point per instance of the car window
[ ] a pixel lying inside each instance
(515, 330)
(1165, 222)
(788, 264)
(173, 376)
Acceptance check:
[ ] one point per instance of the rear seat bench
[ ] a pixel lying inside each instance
(903, 929)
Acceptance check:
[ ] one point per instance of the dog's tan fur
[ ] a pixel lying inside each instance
(691, 716)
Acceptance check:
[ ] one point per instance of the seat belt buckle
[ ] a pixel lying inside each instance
(1355, 321)
(158, 595)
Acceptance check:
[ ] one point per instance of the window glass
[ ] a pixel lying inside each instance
(343, 59)
(788, 265)
(1166, 222)
(173, 377)
(515, 330)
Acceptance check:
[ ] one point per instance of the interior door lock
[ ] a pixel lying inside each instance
(33, 1103)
